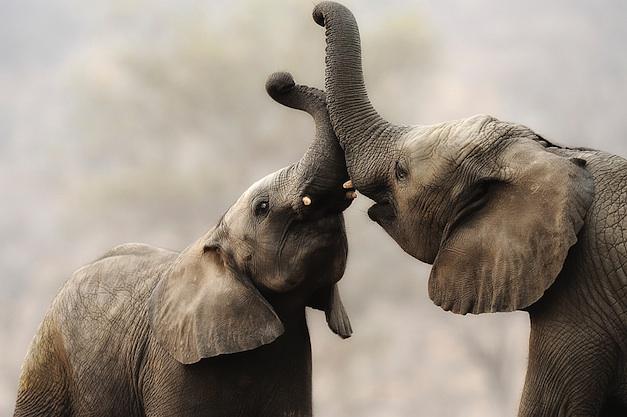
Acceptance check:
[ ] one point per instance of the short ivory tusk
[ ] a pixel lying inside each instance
(348, 184)
(306, 200)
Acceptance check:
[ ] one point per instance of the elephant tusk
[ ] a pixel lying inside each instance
(348, 184)
(306, 200)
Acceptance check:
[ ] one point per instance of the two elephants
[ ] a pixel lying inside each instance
(509, 221)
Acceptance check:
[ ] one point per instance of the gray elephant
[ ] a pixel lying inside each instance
(218, 329)
(509, 221)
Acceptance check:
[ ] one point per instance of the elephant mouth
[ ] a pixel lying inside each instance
(306, 242)
(323, 228)
(320, 204)
(382, 212)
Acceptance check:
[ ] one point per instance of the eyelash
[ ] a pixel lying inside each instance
(400, 172)
(262, 208)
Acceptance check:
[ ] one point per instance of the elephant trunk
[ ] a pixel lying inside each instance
(318, 176)
(362, 132)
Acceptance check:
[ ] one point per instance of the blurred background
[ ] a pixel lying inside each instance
(142, 121)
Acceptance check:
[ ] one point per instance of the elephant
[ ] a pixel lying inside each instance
(218, 329)
(507, 219)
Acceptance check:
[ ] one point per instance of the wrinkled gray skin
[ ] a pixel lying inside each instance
(508, 220)
(218, 329)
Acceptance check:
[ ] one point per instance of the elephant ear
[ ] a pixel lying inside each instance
(203, 308)
(508, 242)
(328, 300)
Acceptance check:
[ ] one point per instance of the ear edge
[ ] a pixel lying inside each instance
(328, 300)
(336, 316)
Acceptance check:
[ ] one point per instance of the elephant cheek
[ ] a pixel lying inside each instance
(419, 242)
(281, 282)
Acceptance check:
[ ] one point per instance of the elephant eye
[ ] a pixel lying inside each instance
(262, 208)
(399, 171)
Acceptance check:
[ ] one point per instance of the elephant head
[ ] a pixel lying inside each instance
(486, 202)
(284, 238)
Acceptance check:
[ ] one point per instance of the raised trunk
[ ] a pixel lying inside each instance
(320, 173)
(362, 132)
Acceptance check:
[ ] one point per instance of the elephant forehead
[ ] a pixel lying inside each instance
(439, 149)
(256, 189)
(466, 135)
(269, 186)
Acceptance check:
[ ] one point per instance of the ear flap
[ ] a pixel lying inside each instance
(328, 300)
(202, 308)
(509, 242)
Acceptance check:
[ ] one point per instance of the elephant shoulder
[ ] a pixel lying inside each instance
(100, 315)
(106, 300)
(136, 249)
(125, 265)
(126, 274)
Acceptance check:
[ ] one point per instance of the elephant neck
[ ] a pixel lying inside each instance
(290, 307)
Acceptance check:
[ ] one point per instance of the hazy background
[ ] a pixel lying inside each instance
(144, 120)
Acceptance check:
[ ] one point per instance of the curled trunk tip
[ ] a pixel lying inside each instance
(318, 14)
(327, 8)
(279, 84)
(282, 88)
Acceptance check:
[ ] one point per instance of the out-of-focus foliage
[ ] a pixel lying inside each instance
(142, 121)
